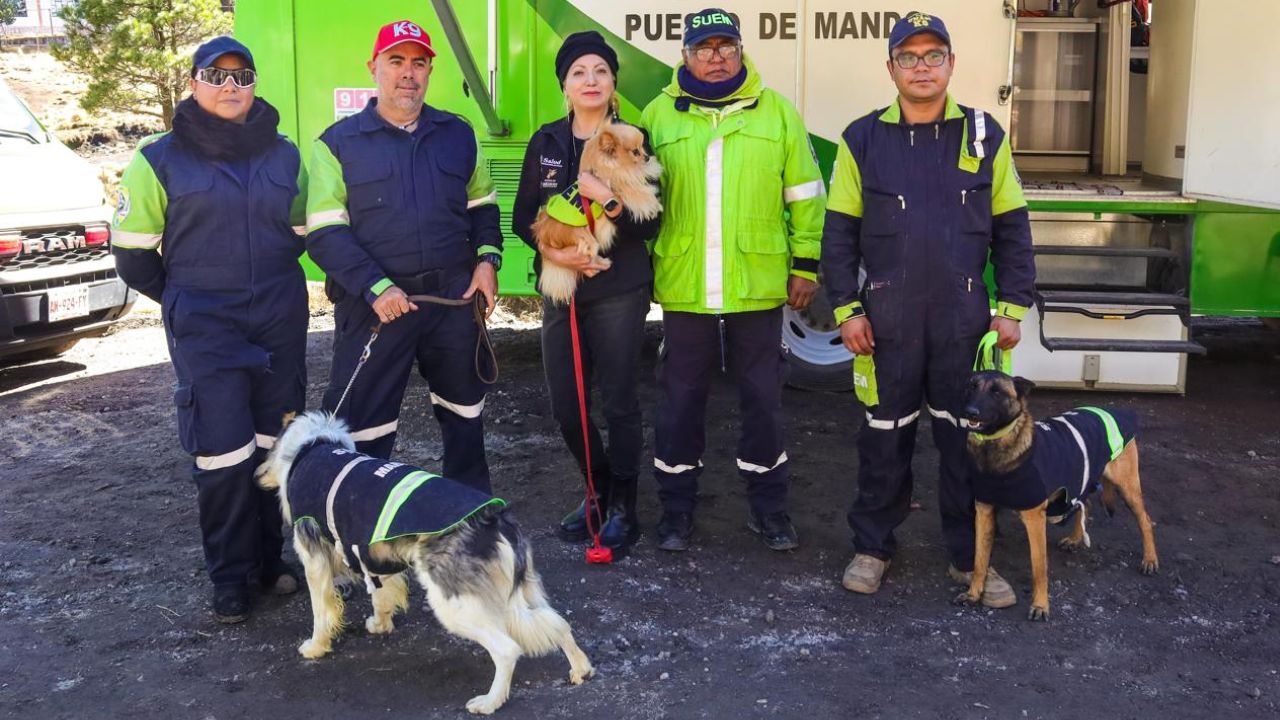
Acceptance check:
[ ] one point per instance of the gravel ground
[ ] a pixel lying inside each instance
(104, 606)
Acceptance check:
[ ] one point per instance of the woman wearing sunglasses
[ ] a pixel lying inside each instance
(205, 228)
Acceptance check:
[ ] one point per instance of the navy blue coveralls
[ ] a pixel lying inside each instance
(415, 210)
(234, 304)
(922, 207)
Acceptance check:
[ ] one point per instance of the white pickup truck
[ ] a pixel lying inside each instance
(58, 280)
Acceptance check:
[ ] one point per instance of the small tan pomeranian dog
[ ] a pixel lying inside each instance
(616, 155)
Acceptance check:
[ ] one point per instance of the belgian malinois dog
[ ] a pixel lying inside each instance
(1045, 471)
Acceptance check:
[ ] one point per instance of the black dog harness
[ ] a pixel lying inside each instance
(1068, 455)
(358, 500)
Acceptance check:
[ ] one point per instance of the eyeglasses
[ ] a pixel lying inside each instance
(933, 58)
(217, 77)
(727, 52)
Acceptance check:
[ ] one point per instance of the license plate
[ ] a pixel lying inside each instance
(68, 302)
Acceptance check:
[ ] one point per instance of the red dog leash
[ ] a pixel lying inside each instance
(597, 553)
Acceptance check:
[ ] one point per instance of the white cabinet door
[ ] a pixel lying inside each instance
(1233, 131)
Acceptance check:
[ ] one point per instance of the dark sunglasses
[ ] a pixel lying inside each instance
(218, 77)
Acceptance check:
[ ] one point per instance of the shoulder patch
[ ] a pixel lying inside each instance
(122, 206)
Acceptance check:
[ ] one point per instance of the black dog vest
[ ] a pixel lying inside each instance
(359, 500)
(1068, 456)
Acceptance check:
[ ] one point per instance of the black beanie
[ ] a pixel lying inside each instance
(583, 43)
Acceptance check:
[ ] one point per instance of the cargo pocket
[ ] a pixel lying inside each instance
(371, 199)
(185, 401)
(883, 228)
(675, 271)
(973, 311)
(456, 177)
(762, 267)
(973, 241)
(882, 298)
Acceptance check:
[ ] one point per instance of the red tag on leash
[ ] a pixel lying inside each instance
(599, 555)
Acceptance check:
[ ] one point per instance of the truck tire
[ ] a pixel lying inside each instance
(817, 357)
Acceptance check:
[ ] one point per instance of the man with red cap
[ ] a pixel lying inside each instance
(401, 203)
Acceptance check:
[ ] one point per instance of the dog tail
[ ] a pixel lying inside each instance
(558, 283)
(531, 621)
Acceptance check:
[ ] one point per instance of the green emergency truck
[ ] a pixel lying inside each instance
(1152, 167)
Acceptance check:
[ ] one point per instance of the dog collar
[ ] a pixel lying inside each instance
(995, 435)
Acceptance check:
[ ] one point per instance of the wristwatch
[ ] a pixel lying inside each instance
(611, 204)
(493, 259)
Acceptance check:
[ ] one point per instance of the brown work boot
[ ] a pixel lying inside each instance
(997, 593)
(864, 573)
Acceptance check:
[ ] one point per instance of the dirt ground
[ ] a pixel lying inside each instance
(104, 606)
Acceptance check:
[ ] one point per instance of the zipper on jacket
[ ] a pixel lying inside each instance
(912, 132)
(964, 197)
(937, 131)
(903, 201)
(968, 284)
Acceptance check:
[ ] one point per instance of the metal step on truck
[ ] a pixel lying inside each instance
(1148, 154)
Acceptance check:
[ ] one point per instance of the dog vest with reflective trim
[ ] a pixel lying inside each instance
(1068, 456)
(359, 500)
(567, 207)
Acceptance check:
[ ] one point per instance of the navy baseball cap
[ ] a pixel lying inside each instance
(209, 52)
(712, 22)
(915, 23)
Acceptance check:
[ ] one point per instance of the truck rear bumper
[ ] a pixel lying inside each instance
(24, 324)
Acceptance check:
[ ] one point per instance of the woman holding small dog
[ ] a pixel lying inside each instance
(205, 228)
(612, 300)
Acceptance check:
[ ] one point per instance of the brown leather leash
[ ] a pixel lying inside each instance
(483, 342)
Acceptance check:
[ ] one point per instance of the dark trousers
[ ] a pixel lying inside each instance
(690, 358)
(926, 360)
(240, 362)
(611, 333)
(443, 341)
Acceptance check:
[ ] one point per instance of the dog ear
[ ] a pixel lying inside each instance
(1023, 386)
(608, 142)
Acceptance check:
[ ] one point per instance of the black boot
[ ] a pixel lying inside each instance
(230, 603)
(573, 527)
(775, 529)
(674, 531)
(621, 527)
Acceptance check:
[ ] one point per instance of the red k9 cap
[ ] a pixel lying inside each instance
(401, 31)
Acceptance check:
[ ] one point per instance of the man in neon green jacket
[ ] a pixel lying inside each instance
(741, 233)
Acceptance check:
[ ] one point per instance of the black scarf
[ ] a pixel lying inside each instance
(216, 139)
(710, 94)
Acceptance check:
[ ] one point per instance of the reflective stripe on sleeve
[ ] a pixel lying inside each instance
(803, 191)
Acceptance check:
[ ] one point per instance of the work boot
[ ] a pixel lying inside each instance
(674, 531)
(230, 604)
(573, 527)
(280, 580)
(864, 573)
(997, 593)
(621, 526)
(775, 529)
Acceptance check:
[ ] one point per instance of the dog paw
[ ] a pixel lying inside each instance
(1149, 567)
(483, 705)
(312, 650)
(966, 599)
(577, 676)
(1069, 545)
(375, 627)
(1038, 614)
